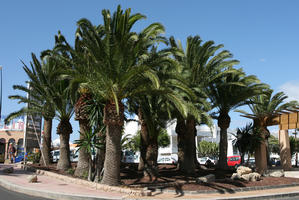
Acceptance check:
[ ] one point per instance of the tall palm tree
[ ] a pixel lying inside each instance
(119, 70)
(264, 107)
(201, 65)
(63, 98)
(76, 59)
(228, 93)
(154, 108)
(41, 75)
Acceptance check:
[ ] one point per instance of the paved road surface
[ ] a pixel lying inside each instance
(9, 195)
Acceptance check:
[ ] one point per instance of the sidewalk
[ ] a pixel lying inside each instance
(54, 188)
(49, 187)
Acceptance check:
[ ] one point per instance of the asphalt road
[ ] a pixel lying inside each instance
(9, 195)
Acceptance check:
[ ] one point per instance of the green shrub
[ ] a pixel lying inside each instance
(34, 157)
(70, 171)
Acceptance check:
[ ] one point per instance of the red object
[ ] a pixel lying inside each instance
(233, 160)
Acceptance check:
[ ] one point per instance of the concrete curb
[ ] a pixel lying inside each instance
(94, 185)
(46, 194)
(269, 196)
(222, 191)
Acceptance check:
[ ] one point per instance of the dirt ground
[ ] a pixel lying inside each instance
(131, 177)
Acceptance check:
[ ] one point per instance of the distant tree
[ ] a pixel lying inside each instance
(206, 148)
(133, 143)
(294, 145)
(273, 145)
(227, 94)
(264, 107)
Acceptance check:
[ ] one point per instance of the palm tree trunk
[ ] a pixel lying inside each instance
(64, 129)
(114, 122)
(261, 151)
(83, 163)
(100, 158)
(223, 123)
(64, 157)
(144, 137)
(151, 157)
(46, 150)
(191, 127)
(186, 144)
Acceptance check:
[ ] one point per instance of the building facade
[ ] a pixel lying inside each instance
(203, 133)
(13, 133)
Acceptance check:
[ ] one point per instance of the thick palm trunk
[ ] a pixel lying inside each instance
(64, 157)
(82, 117)
(186, 144)
(148, 149)
(151, 169)
(83, 160)
(64, 129)
(191, 127)
(144, 135)
(223, 123)
(261, 151)
(114, 122)
(46, 150)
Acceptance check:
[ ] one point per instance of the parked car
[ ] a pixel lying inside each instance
(74, 156)
(167, 160)
(233, 161)
(55, 155)
(128, 156)
(251, 163)
(208, 161)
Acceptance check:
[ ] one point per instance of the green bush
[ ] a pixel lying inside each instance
(70, 171)
(34, 157)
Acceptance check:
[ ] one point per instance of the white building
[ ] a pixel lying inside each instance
(203, 133)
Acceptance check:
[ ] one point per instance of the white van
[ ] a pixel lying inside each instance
(55, 155)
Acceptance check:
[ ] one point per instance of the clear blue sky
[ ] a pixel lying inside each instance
(263, 35)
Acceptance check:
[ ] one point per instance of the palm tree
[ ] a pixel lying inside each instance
(41, 75)
(248, 139)
(263, 108)
(63, 98)
(75, 72)
(119, 70)
(228, 93)
(154, 108)
(201, 65)
(84, 125)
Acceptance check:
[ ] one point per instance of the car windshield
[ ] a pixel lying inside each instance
(234, 159)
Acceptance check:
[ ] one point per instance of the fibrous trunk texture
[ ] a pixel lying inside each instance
(81, 114)
(46, 149)
(185, 130)
(83, 159)
(64, 130)
(114, 122)
(223, 123)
